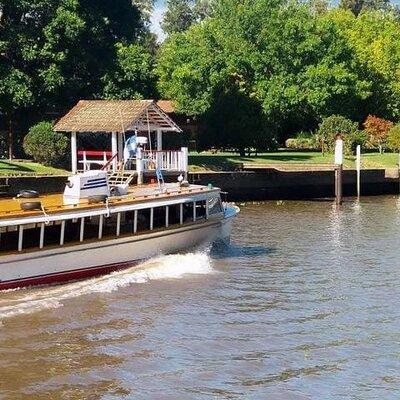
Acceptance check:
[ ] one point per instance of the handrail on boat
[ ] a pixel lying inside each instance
(108, 163)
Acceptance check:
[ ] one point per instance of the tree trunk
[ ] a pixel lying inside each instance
(242, 152)
(10, 139)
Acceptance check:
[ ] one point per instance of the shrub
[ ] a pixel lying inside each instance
(331, 126)
(394, 138)
(377, 130)
(44, 145)
(357, 138)
(302, 143)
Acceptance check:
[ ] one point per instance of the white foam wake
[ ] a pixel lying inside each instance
(164, 267)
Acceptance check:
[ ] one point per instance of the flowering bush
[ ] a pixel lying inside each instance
(377, 130)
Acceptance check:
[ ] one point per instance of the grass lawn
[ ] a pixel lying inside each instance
(27, 168)
(207, 161)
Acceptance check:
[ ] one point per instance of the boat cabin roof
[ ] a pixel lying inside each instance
(56, 207)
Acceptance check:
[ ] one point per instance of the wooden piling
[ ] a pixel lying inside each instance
(338, 184)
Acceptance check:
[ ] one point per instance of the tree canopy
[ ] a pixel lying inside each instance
(299, 62)
(54, 52)
(273, 66)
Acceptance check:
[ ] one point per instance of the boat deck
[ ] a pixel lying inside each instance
(55, 203)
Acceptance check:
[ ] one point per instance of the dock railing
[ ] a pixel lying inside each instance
(165, 160)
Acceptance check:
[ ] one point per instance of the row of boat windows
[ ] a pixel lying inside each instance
(98, 227)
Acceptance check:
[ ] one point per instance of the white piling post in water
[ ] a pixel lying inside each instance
(338, 168)
(358, 166)
(398, 164)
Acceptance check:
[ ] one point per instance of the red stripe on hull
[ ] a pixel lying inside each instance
(66, 276)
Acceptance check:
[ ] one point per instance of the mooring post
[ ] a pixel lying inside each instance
(338, 168)
(358, 165)
(398, 166)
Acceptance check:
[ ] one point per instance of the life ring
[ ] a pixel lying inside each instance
(28, 194)
(31, 205)
(99, 198)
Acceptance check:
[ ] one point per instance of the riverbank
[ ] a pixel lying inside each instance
(215, 162)
(258, 184)
(275, 184)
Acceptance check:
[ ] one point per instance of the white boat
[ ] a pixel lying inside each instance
(84, 232)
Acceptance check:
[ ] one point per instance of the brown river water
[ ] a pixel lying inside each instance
(304, 304)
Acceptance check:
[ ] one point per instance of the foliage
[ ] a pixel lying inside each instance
(178, 17)
(55, 52)
(303, 143)
(374, 39)
(358, 6)
(393, 141)
(235, 121)
(45, 145)
(203, 9)
(356, 138)
(331, 126)
(181, 14)
(133, 77)
(377, 130)
(146, 7)
(304, 140)
(297, 69)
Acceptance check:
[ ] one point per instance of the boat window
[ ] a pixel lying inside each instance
(71, 231)
(188, 212)
(143, 220)
(110, 225)
(173, 214)
(159, 217)
(52, 233)
(128, 222)
(31, 236)
(200, 209)
(92, 227)
(9, 238)
(214, 205)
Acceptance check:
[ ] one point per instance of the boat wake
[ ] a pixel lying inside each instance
(176, 266)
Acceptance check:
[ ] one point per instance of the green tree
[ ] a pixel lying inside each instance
(203, 9)
(394, 138)
(358, 6)
(133, 77)
(178, 17)
(374, 38)
(234, 121)
(333, 125)
(295, 62)
(54, 52)
(146, 7)
(45, 145)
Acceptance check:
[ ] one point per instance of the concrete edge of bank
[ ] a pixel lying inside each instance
(266, 184)
(274, 184)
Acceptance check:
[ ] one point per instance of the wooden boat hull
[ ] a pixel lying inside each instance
(101, 257)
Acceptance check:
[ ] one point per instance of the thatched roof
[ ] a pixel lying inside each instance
(115, 116)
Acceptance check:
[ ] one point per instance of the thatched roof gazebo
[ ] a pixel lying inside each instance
(115, 117)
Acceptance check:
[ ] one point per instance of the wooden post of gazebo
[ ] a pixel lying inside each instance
(159, 139)
(114, 151)
(74, 153)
